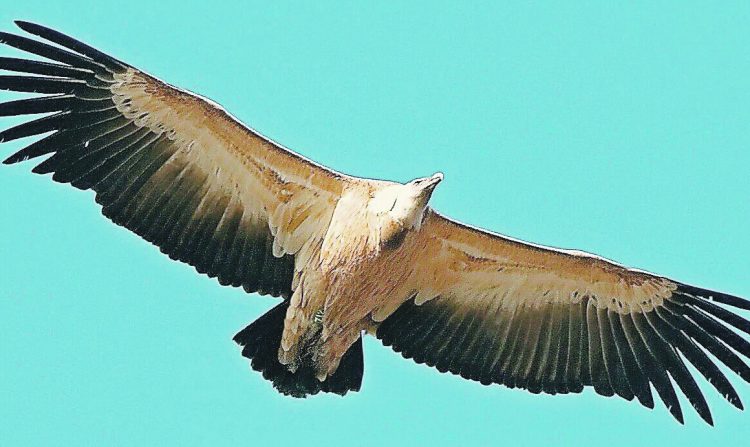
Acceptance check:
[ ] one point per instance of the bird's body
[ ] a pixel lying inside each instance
(354, 269)
(351, 256)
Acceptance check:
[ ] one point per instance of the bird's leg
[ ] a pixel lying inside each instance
(295, 327)
(302, 325)
(330, 350)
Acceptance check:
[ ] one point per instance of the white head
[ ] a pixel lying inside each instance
(401, 207)
(412, 200)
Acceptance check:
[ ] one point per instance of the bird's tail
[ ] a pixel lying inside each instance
(260, 342)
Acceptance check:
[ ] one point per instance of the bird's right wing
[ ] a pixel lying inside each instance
(170, 166)
(497, 310)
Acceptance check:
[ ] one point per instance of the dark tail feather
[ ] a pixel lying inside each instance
(260, 342)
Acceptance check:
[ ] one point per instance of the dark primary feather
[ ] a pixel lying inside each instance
(634, 374)
(31, 84)
(73, 44)
(43, 68)
(612, 363)
(55, 54)
(94, 146)
(670, 360)
(32, 106)
(615, 353)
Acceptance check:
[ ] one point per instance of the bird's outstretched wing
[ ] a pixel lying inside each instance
(170, 166)
(497, 310)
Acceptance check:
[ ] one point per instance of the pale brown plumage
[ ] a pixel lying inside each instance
(350, 255)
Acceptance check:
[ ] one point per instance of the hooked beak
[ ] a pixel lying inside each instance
(434, 180)
(430, 184)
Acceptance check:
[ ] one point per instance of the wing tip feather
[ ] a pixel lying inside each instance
(714, 296)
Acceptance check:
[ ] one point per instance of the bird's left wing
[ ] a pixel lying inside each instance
(170, 166)
(497, 310)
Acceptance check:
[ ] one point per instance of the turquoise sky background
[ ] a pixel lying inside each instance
(623, 131)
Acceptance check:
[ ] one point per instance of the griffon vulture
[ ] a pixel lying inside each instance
(351, 255)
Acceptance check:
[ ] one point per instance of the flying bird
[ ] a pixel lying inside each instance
(352, 256)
